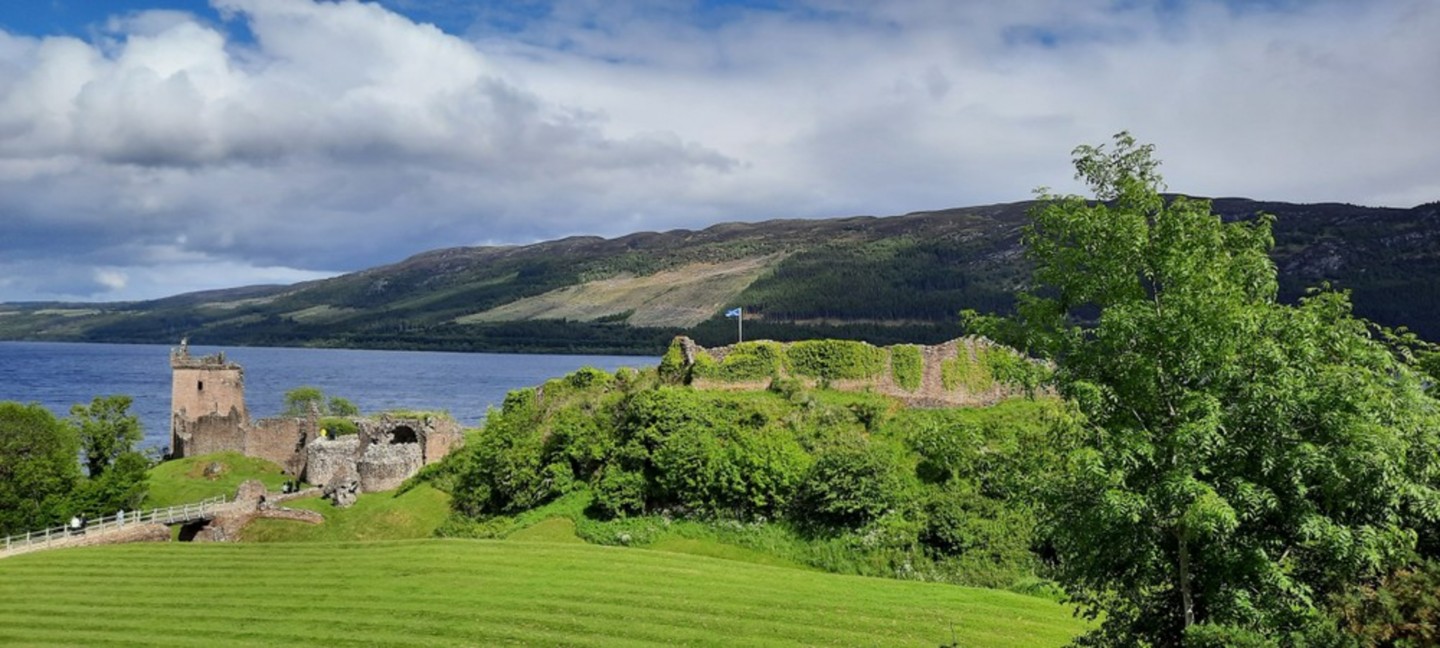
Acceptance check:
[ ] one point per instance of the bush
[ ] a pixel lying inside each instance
(619, 492)
(907, 366)
(672, 368)
(836, 359)
(1402, 610)
(337, 426)
(853, 482)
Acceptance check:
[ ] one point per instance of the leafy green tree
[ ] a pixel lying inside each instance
(106, 430)
(123, 486)
(1235, 460)
(38, 470)
(338, 406)
(301, 400)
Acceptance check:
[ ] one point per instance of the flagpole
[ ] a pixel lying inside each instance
(740, 323)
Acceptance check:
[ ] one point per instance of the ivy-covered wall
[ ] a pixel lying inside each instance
(967, 371)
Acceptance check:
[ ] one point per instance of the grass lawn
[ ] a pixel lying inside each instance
(184, 480)
(374, 516)
(485, 592)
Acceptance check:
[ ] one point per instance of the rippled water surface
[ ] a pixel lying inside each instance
(59, 375)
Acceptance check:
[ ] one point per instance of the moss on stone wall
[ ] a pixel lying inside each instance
(836, 359)
(907, 366)
(971, 373)
(746, 361)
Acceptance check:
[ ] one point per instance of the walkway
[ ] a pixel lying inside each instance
(115, 526)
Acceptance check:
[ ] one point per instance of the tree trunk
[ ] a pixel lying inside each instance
(1186, 602)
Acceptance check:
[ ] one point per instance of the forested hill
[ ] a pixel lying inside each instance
(886, 280)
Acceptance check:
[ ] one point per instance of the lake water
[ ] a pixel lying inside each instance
(58, 375)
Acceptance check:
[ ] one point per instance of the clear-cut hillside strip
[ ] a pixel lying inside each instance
(681, 297)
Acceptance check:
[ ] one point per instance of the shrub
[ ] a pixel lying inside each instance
(619, 492)
(907, 366)
(1402, 610)
(588, 377)
(836, 359)
(337, 426)
(853, 482)
(672, 368)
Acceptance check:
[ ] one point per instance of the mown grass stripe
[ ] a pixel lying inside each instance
(438, 592)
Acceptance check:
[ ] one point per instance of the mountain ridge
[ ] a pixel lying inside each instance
(886, 279)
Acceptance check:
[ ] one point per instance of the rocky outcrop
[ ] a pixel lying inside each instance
(343, 487)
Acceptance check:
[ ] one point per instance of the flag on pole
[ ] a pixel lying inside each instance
(739, 322)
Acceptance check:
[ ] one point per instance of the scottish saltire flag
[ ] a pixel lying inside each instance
(734, 312)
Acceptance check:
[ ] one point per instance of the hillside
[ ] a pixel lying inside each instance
(900, 278)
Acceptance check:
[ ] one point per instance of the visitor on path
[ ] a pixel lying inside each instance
(120, 518)
(74, 524)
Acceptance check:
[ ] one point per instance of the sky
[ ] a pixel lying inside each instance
(155, 147)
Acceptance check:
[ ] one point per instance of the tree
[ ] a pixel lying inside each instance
(38, 470)
(301, 400)
(1234, 461)
(106, 430)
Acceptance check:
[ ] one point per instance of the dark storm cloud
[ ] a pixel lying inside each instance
(280, 140)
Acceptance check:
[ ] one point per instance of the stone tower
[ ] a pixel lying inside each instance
(206, 393)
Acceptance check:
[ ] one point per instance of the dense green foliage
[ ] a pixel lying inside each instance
(835, 359)
(484, 593)
(38, 469)
(1236, 461)
(41, 484)
(304, 399)
(106, 430)
(747, 361)
(1403, 609)
(845, 481)
(907, 366)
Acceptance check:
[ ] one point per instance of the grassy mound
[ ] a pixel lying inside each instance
(475, 592)
(375, 516)
(186, 480)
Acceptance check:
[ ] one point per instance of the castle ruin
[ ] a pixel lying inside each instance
(208, 414)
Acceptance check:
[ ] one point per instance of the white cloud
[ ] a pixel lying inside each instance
(345, 135)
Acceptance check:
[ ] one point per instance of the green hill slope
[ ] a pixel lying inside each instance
(885, 280)
(458, 592)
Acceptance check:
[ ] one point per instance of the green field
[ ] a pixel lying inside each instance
(478, 592)
(183, 481)
(374, 516)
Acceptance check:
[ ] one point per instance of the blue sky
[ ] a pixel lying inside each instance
(154, 147)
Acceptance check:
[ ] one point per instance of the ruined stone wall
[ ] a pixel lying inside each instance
(325, 458)
(383, 467)
(282, 441)
(440, 436)
(207, 434)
